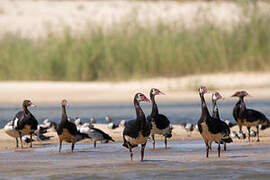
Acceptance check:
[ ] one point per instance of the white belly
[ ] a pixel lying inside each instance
(155, 130)
(135, 141)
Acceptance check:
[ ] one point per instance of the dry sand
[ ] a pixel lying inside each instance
(176, 89)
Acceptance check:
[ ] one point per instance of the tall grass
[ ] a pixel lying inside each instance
(139, 52)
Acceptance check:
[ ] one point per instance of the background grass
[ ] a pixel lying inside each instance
(132, 51)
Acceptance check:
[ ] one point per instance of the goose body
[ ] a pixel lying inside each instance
(67, 130)
(248, 117)
(211, 129)
(215, 97)
(138, 130)
(95, 134)
(24, 122)
(159, 122)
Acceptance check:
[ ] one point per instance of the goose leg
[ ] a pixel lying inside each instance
(60, 145)
(142, 151)
(31, 140)
(218, 149)
(248, 128)
(17, 143)
(258, 140)
(72, 146)
(153, 138)
(165, 142)
(95, 144)
(225, 148)
(240, 128)
(130, 154)
(21, 139)
(210, 145)
(207, 148)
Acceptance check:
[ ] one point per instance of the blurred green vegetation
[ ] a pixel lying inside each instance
(132, 51)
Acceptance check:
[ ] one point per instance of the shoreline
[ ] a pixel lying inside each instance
(178, 133)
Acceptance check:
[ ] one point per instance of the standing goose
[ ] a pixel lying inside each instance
(211, 129)
(215, 97)
(24, 122)
(137, 131)
(67, 130)
(248, 117)
(159, 123)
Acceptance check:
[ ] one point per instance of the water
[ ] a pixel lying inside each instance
(183, 160)
(176, 112)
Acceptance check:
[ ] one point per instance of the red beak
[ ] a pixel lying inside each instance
(145, 99)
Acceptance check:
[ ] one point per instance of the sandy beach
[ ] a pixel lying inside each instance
(185, 156)
(179, 133)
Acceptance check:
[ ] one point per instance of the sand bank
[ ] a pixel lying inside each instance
(176, 89)
(178, 134)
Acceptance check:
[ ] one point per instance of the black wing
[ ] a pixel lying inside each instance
(236, 110)
(131, 129)
(217, 126)
(25, 119)
(252, 115)
(105, 135)
(160, 120)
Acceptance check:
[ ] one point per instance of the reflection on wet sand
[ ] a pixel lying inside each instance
(184, 159)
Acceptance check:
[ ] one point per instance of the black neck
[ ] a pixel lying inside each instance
(215, 109)
(138, 109)
(25, 109)
(242, 103)
(154, 105)
(205, 111)
(64, 113)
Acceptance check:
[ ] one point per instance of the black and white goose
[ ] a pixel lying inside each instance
(137, 131)
(215, 97)
(189, 127)
(248, 117)
(159, 122)
(9, 130)
(95, 134)
(211, 129)
(67, 130)
(24, 122)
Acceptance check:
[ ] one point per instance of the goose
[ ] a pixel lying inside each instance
(248, 117)
(108, 119)
(24, 122)
(211, 129)
(215, 97)
(95, 134)
(159, 122)
(67, 131)
(189, 127)
(9, 130)
(137, 131)
(93, 121)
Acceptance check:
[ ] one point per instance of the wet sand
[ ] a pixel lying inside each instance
(182, 160)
